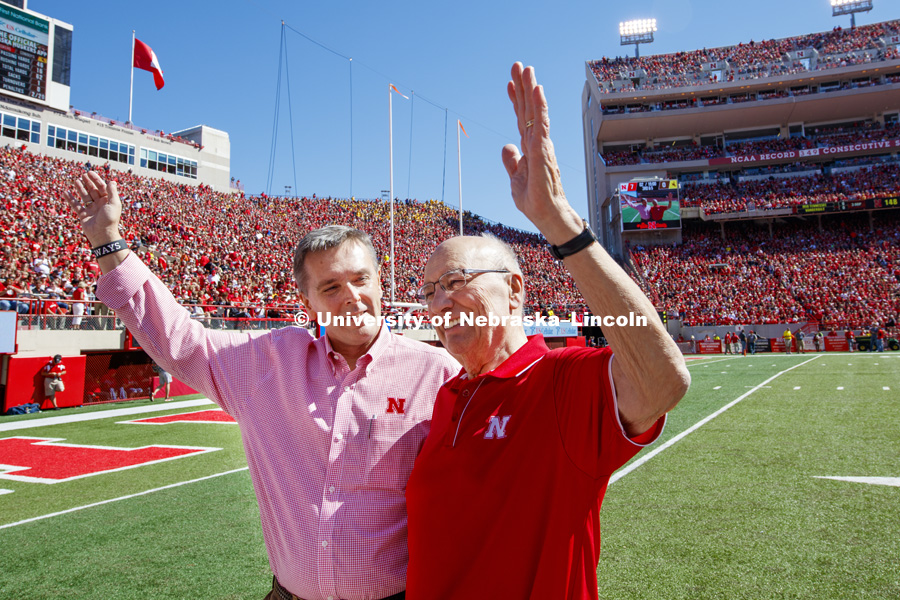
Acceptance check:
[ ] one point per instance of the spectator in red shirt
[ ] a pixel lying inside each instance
(79, 295)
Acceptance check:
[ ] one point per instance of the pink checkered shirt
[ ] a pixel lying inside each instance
(329, 450)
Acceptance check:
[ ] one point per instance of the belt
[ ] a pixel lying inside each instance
(283, 594)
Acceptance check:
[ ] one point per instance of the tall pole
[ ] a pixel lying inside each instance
(391, 155)
(131, 92)
(459, 178)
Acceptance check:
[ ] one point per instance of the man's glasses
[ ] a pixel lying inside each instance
(451, 281)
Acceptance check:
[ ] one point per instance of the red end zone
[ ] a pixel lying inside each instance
(44, 460)
(216, 415)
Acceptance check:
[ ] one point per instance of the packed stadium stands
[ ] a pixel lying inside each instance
(879, 181)
(222, 250)
(747, 61)
(843, 275)
(216, 249)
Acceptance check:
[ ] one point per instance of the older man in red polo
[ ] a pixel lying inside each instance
(504, 498)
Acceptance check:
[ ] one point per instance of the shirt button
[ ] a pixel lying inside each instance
(324, 544)
(339, 436)
(465, 393)
(347, 388)
(331, 489)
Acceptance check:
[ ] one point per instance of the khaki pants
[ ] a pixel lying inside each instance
(53, 385)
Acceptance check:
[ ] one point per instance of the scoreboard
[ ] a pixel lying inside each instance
(24, 42)
(847, 205)
(650, 205)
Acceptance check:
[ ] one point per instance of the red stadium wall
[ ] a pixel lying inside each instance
(24, 383)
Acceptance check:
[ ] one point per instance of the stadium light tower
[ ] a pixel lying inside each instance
(637, 32)
(850, 7)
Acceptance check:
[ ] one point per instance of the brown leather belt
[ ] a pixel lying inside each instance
(283, 594)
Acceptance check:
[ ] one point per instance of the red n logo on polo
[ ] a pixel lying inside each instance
(396, 405)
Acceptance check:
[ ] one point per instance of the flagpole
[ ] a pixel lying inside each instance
(391, 154)
(131, 92)
(459, 176)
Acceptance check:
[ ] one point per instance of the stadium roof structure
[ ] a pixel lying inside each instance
(834, 105)
(634, 108)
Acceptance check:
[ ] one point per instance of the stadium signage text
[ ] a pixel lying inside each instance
(751, 158)
(844, 205)
(652, 225)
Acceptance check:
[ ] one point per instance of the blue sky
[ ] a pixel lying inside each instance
(221, 65)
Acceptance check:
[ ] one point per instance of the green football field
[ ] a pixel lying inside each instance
(776, 477)
(631, 215)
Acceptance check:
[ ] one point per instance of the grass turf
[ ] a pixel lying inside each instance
(732, 510)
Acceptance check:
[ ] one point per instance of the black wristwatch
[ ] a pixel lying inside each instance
(575, 245)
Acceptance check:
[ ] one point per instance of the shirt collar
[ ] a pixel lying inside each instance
(382, 342)
(532, 351)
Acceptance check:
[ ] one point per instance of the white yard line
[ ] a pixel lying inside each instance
(144, 493)
(102, 414)
(705, 362)
(631, 467)
(891, 481)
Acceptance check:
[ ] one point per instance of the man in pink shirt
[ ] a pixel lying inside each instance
(331, 426)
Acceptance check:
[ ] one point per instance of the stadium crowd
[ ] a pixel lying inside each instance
(229, 255)
(842, 276)
(226, 253)
(752, 60)
(878, 181)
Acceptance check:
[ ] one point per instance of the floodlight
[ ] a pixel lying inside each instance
(850, 7)
(637, 31)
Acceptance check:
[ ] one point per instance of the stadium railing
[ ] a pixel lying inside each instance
(34, 315)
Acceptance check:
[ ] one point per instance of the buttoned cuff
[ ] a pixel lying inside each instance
(119, 286)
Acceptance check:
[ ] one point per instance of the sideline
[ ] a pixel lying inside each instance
(102, 502)
(103, 414)
(628, 469)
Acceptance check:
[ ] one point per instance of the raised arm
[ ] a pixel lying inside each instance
(97, 206)
(181, 345)
(648, 370)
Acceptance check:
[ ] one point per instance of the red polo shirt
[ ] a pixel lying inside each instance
(504, 498)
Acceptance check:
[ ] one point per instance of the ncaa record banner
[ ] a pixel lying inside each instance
(806, 152)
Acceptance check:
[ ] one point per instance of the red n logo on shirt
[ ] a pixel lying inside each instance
(395, 405)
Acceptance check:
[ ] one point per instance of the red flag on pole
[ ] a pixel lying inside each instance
(393, 87)
(458, 122)
(145, 58)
